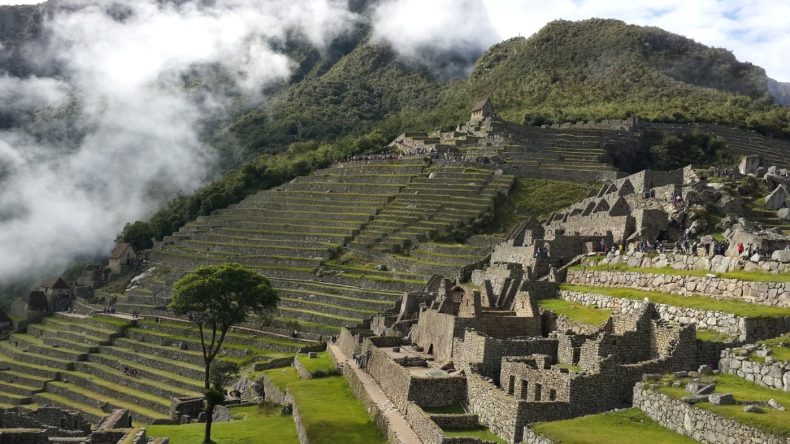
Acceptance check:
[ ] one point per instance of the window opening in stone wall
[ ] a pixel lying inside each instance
(538, 389)
(511, 385)
(524, 388)
(552, 395)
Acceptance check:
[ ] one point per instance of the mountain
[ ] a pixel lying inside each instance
(780, 91)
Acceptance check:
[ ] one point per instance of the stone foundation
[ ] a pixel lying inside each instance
(775, 376)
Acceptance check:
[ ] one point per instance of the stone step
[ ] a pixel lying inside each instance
(17, 354)
(178, 381)
(103, 402)
(14, 398)
(89, 412)
(36, 345)
(101, 386)
(142, 382)
(49, 331)
(26, 378)
(154, 361)
(18, 388)
(163, 351)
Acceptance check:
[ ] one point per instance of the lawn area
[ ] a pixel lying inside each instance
(713, 336)
(772, 420)
(331, 414)
(537, 197)
(482, 433)
(322, 363)
(738, 308)
(576, 312)
(756, 276)
(255, 425)
(282, 377)
(628, 426)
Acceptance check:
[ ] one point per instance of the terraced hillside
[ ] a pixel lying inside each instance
(292, 234)
(560, 153)
(77, 362)
(741, 142)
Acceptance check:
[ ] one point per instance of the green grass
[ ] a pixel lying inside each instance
(282, 377)
(576, 312)
(623, 427)
(255, 424)
(320, 364)
(538, 197)
(772, 421)
(331, 414)
(738, 308)
(778, 351)
(755, 276)
(571, 367)
(713, 336)
(453, 409)
(482, 433)
(117, 322)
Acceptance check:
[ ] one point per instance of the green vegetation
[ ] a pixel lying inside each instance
(754, 276)
(482, 433)
(138, 234)
(738, 308)
(282, 377)
(538, 198)
(713, 336)
(576, 312)
(667, 152)
(771, 420)
(216, 298)
(622, 427)
(319, 366)
(251, 425)
(331, 414)
(779, 346)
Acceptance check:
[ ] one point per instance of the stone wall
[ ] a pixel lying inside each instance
(775, 375)
(357, 387)
(437, 392)
(701, 425)
(677, 261)
(745, 329)
(766, 293)
(484, 354)
(23, 436)
(301, 431)
(531, 437)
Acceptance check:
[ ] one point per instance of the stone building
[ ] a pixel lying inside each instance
(481, 110)
(58, 293)
(123, 258)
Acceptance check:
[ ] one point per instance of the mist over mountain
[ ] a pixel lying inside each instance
(110, 109)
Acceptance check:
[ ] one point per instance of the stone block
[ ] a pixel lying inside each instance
(776, 404)
(721, 399)
(707, 390)
(751, 408)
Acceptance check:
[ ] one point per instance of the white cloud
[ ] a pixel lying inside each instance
(141, 128)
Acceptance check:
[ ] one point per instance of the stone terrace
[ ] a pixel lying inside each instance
(293, 233)
(77, 362)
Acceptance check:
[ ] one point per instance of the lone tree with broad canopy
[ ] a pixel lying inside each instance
(216, 298)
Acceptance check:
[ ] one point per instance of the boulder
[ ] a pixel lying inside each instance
(693, 399)
(707, 390)
(782, 256)
(221, 414)
(783, 214)
(721, 399)
(705, 370)
(776, 404)
(751, 408)
(777, 199)
(749, 164)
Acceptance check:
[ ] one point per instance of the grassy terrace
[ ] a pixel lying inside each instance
(713, 336)
(780, 348)
(756, 276)
(230, 337)
(771, 420)
(257, 423)
(320, 364)
(738, 308)
(576, 312)
(623, 427)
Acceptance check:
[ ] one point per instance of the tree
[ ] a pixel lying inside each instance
(138, 235)
(216, 298)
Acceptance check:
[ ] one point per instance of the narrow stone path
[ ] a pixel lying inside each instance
(403, 432)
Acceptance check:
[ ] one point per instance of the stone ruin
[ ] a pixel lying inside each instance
(47, 424)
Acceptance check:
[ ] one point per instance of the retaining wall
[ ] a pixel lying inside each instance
(775, 376)
(745, 329)
(696, 423)
(767, 293)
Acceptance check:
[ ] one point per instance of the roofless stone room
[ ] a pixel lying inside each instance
(394, 221)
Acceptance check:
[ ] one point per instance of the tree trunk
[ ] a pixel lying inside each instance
(209, 413)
